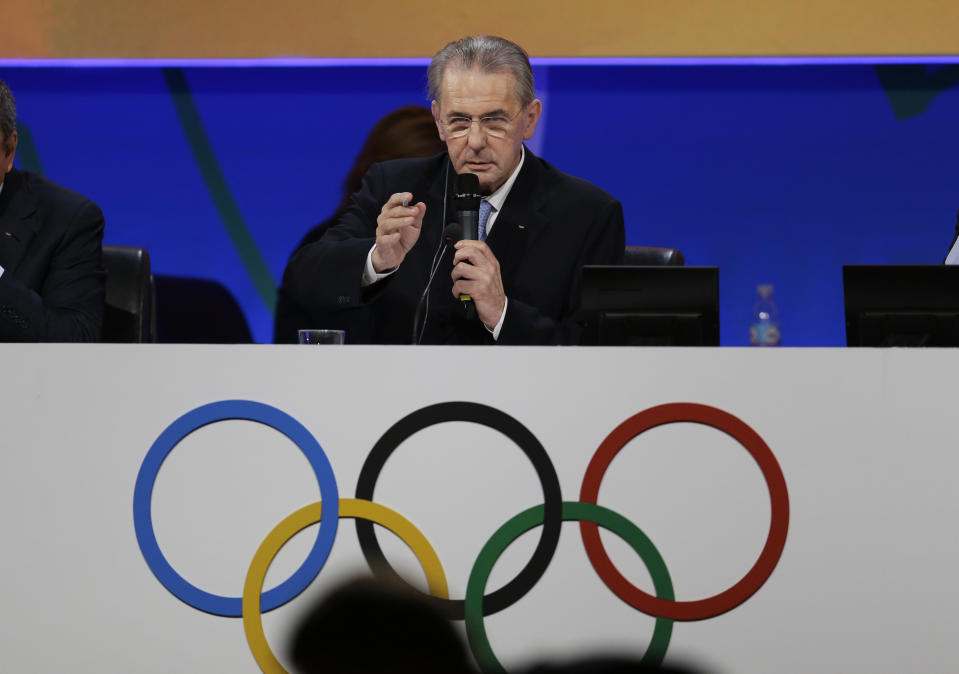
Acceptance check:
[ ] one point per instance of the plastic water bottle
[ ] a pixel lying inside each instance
(764, 328)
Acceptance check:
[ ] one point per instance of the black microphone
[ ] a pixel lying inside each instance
(451, 234)
(466, 204)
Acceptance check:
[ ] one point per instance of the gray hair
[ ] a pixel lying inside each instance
(488, 53)
(8, 113)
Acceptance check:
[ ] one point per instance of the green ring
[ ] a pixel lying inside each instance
(572, 511)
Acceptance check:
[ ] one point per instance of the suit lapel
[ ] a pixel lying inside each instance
(18, 204)
(520, 222)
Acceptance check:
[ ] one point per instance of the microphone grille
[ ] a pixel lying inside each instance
(467, 192)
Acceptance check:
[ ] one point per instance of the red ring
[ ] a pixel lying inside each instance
(778, 525)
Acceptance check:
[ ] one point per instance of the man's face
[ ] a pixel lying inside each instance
(474, 95)
(8, 150)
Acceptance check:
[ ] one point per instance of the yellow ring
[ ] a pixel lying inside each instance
(299, 520)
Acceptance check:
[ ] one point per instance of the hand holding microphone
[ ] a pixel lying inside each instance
(466, 203)
(476, 273)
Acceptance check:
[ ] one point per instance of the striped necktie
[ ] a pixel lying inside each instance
(485, 209)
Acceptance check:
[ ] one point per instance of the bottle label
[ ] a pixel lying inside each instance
(764, 334)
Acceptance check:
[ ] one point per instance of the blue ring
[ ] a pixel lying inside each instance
(143, 496)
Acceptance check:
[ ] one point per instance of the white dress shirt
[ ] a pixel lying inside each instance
(953, 256)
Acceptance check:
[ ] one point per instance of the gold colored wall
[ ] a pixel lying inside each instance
(374, 28)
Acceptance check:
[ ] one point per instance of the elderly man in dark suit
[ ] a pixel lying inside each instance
(542, 224)
(51, 275)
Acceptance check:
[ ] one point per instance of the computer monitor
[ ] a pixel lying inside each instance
(650, 306)
(901, 305)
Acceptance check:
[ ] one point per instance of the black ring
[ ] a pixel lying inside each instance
(493, 418)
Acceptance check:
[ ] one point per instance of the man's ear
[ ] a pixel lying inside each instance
(533, 111)
(435, 109)
(8, 151)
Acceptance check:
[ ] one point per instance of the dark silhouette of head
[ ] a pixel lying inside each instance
(368, 627)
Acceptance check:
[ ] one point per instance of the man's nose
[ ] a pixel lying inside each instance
(476, 137)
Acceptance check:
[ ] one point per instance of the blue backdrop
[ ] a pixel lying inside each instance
(777, 173)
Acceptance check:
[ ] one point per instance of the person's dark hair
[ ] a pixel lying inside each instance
(8, 113)
(368, 627)
(488, 53)
(409, 131)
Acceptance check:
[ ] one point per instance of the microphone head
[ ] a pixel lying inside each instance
(467, 192)
(453, 232)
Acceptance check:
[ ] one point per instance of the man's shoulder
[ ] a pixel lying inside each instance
(554, 179)
(47, 191)
(48, 204)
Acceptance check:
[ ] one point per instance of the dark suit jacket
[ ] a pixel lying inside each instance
(52, 287)
(550, 226)
(291, 316)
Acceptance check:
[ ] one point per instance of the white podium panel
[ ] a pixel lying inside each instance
(778, 510)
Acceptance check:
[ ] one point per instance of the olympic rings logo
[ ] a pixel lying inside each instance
(476, 604)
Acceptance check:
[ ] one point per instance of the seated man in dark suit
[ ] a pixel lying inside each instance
(51, 274)
(543, 225)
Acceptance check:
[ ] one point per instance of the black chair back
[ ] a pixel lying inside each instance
(651, 256)
(198, 311)
(128, 316)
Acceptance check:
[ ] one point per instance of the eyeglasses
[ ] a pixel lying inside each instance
(494, 126)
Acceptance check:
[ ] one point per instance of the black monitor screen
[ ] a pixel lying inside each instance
(901, 305)
(651, 306)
